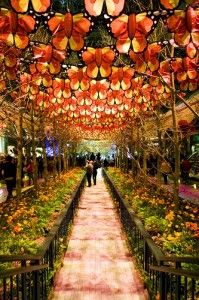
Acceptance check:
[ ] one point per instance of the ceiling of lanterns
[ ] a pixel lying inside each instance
(95, 66)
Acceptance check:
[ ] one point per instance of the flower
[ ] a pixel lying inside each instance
(17, 228)
(170, 216)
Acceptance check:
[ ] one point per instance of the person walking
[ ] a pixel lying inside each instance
(185, 168)
(165, 169)
(9, 174)
(40, 167)
(95, 167)
(89, 172)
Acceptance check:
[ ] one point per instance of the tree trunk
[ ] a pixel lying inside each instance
(54, 151)
(59, 157)
(34, 156)
(45, 170)
(64, 158)
(176, 173)
(160, 149)
(19, 156)
(176, 146)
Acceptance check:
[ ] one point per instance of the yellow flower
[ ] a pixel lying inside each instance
(170, 237)
(170, 216)
(178, 234)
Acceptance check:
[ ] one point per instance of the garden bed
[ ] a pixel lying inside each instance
(25, 223)
(154, 206)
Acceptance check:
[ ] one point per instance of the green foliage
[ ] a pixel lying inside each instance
(155, 207)
(155, 224)
(24, 225)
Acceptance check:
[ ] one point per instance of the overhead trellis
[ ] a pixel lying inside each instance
(51, 58)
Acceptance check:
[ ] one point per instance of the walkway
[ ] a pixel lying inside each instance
(98, 264)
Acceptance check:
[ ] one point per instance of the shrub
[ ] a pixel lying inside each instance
(155, 224)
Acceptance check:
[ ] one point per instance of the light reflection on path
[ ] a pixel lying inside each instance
(97, 264)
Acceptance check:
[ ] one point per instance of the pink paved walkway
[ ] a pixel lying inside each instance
(98, 264)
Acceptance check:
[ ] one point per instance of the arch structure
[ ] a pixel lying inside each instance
(97, 67)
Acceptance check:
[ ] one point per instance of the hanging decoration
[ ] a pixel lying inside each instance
(98, 61)
(39, 6)
(15, 28)
(132, 31)
(9, 61)
(61, 88)
(148, 60)
(94, 7)
(54, 60)
(78, 78)
(169, 4)
(69, 31)
(120, 77)
(48, 59)
(185, 26)
(186, 72)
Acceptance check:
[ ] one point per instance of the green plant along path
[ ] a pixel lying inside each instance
(24, 224)
(155, 208)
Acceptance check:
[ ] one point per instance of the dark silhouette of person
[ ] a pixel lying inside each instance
(89, 172)
(95, 167)
(92, 156)
(40, 167)
(99, 157)
(106, 163)
(185, 169)
(9, 173)
(152, 165)
(165, 169)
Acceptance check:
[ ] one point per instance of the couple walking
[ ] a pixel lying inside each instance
(91, 171)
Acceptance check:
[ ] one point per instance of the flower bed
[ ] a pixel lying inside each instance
(155, 208)
(24, 223)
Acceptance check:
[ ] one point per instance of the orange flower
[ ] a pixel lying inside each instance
(17, 228)
(170, 216)
(192, 226)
